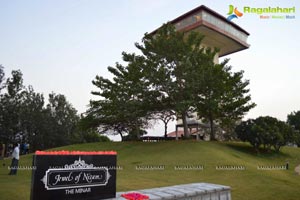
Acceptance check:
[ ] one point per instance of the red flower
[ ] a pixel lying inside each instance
(135, 196)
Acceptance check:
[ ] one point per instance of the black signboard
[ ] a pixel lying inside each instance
(70, 176)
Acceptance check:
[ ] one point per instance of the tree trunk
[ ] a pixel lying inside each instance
(166, 130)
(120, 132)
(138, 136)
(212, 131)
(185, 126)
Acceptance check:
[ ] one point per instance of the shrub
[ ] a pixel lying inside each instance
(267, 131)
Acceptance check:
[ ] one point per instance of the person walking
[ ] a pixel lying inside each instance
(15, 160)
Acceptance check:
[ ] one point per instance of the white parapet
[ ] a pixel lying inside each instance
(193, 191)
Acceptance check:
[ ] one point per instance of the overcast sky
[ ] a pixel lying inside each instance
(61, 45)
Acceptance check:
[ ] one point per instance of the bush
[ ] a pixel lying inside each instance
(245, 133)
(133, 135)
(93, 136)
(267, 131)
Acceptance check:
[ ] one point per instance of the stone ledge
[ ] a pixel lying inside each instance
(193, 191)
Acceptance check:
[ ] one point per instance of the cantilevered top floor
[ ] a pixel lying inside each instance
(218, 31)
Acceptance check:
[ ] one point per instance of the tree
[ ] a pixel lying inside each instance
(101, 117)
(284, 135)
(172, 60)
(124, 102)
(245, 133)
(32, 118)
(20, 108)
(293, 119)
(184, 73)
(165, 116)
(51, 126)
(24, 117)
(273, 132)
(63, 120)
(174, 73)
(2, 77)
(11, 104)
(224, 98)
(266, 131)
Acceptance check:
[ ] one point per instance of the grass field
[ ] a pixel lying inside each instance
(250, 183)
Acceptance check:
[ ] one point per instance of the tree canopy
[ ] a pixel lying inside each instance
(267, 131)
(293, 119)
(25, 117)
(175, 73)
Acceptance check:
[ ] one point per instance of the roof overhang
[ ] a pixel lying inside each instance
(218, 31)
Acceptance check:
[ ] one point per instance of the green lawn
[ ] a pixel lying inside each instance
(247, 184)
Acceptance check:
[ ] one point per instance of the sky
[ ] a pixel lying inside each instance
(61, 45)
